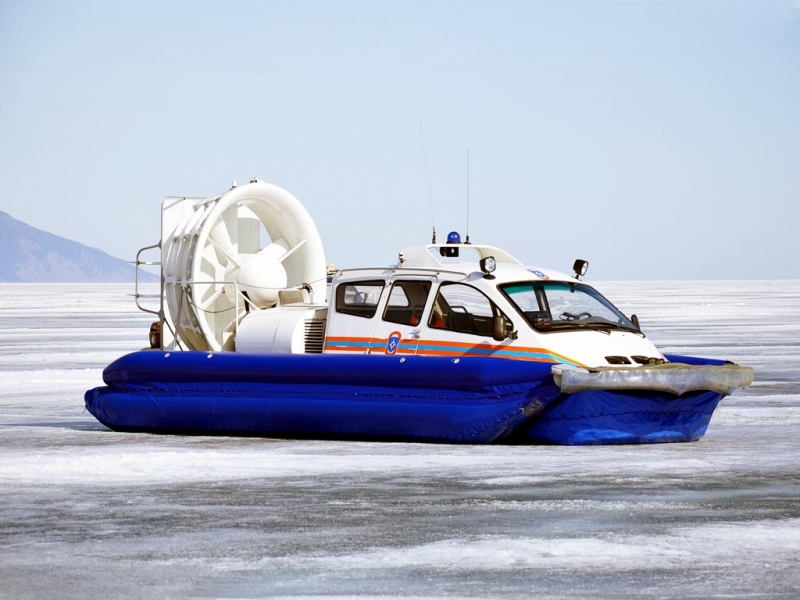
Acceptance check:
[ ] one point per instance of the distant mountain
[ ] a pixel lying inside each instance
(31, 255)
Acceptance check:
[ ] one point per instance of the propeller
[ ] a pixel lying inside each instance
(218, 269)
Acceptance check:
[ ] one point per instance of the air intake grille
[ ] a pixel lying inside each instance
(618, 360)
(315, 336)
(648, 360)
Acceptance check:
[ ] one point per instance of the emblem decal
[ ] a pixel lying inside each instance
(393, 343)
(539, 274)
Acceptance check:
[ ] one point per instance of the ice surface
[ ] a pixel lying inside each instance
(85, 512)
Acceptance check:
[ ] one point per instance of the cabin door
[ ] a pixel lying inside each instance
(400, 325)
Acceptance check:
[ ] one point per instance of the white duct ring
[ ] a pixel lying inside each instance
(208, 248)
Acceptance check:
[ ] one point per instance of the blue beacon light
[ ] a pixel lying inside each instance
(452, 238)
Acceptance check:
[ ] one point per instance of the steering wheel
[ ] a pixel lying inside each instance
(566, 316)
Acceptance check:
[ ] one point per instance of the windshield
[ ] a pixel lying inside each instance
(557, 305)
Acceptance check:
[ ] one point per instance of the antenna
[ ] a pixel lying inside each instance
(427, 179)
(467, 196)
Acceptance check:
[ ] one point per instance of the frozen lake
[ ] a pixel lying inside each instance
(86, 512)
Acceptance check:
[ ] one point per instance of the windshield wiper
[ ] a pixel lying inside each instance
(604, 327)
(622, 327)
(574, 325)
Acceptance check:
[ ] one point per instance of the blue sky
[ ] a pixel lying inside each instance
(657, 139)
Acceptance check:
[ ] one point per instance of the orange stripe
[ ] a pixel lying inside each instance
(456, 353)
(483, 346)
(465, 345)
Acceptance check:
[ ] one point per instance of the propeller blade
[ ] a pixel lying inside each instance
(292, 249)
(277, 250)
(206, 304)
(220, 237)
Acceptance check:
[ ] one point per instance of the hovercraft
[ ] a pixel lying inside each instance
(457, 343)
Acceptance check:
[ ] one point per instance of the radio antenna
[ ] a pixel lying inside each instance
(467, 195)
(427, 179)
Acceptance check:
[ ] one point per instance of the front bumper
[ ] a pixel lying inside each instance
(674, 378)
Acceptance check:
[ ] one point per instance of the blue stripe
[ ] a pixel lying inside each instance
(496, 352)
(337, 344)
(422, 347)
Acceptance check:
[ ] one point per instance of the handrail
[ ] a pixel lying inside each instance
(411, 271)
(136, 294)
(237, 293)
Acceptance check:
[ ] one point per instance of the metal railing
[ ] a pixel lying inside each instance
(136, 294)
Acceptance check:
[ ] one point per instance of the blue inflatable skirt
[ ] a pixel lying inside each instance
(412, 398)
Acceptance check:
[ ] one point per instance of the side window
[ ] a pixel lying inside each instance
(359, 298)
(462, 308)
(406, 302)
